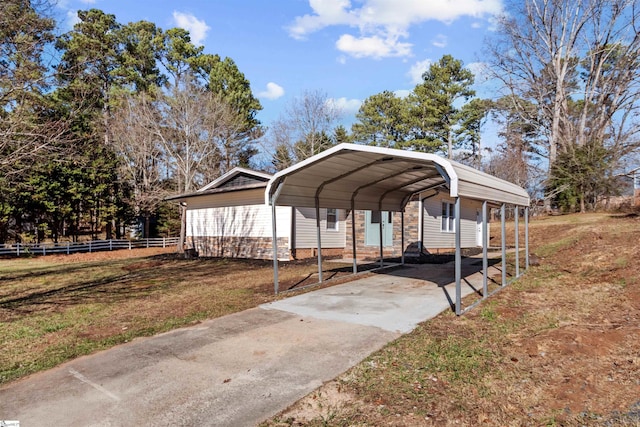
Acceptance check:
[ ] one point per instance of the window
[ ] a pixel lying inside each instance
(376, 215)
(332, 219)
(448, 218)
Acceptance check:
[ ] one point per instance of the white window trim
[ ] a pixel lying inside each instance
(450, 211)
(337, 222)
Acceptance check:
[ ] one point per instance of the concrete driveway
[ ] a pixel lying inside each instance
(236, 370)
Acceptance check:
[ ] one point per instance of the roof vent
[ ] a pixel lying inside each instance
(386, 159)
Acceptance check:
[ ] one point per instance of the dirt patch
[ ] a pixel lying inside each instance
(557, 347)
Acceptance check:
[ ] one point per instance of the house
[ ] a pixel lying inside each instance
(228, 218)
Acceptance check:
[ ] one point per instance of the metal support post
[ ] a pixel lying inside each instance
(516, 211)
(420, 222)
(485, 243)
(319, 240)
(353, 236)
(458, 260)
(503, 212)
(275, 246)
(402, 235)
(526, 236)
(381, 248)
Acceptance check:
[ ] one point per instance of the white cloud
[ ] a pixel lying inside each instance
(402, 93)
(72, 19)
(480, 70)
(417, 70)
(344, 105)
(273, 91)
(197, 28)
(380, 23)
(326, 13)
(440, 41)
(374, 46)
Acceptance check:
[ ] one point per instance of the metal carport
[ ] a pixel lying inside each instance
(350, 176)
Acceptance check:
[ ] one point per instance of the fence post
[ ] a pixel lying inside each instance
(44, 249)
(89, 246)
(18, 249)
(110, 244)
(129, 244)
(67, 248)
(164, 242)
(147, 243)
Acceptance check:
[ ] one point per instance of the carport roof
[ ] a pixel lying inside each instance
(373, 178)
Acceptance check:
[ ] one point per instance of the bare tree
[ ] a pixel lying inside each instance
(140, 156)
(188, 123)
(304, 130)
(576, 62)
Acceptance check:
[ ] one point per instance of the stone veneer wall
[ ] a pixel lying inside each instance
(312, 252)
(238, 247)
(411, 218)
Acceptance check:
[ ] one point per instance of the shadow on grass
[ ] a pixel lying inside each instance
(142, 277)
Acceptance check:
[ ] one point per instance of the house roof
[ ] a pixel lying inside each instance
(375, 178)
(236, 179)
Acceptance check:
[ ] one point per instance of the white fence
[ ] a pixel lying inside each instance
(90, 246)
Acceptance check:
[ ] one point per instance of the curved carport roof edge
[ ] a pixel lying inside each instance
(461, 180)
(349, 168)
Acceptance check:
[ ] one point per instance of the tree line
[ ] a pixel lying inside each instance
(566, 77)
(101, 123)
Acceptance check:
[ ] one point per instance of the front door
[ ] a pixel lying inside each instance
(372, 228)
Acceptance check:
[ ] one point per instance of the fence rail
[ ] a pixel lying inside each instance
(90, 246)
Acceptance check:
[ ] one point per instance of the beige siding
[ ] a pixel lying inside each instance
(306, 234)
(237, 221)
(434, 237)
(231, 198)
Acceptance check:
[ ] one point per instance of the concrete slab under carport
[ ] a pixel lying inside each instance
(395, 299)
(239, 369)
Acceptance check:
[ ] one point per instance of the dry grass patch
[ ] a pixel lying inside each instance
(56, 308)
(557, 347)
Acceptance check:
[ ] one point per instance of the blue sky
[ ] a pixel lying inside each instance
(349, 50)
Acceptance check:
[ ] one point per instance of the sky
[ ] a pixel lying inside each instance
(348, 50)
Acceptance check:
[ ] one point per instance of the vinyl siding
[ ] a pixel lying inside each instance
(433, 237)
(306, 234)
(237, 221)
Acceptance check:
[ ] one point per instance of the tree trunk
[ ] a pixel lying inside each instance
(147, 225)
